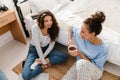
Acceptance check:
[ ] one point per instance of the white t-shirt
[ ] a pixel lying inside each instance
(39, 40)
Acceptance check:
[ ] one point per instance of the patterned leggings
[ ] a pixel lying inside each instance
(83, 70)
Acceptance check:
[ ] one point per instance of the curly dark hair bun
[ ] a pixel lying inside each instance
(99, 16)
(94, 22)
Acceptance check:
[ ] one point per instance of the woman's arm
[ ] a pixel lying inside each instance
(36, 42)
(50, 47)
(78, 53)
(83, 56)
(69, 35)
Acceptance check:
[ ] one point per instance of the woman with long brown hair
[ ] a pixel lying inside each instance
(41, 53)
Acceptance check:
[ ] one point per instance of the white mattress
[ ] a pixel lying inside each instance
(83, 10)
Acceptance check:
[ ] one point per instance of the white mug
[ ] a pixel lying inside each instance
(72, 48)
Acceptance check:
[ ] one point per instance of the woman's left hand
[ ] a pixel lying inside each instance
(48, 62)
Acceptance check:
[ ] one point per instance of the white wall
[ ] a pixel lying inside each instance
(5, 38)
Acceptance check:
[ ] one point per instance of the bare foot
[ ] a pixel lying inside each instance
(48, 62)
(44, 66)
(38, 60)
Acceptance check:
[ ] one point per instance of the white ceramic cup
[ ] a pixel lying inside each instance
(72, 48)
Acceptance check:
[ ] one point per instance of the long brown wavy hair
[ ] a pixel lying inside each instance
(54, 30)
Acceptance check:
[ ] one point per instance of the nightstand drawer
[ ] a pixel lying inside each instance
(6, 19)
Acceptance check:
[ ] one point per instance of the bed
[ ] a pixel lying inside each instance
(72, 13)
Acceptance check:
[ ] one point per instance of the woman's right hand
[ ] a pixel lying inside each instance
(69, 35)
(38, 61)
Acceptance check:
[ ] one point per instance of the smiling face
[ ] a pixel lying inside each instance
(85, 33)
(48, 22)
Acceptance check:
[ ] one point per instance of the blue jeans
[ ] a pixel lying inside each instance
(54, 56)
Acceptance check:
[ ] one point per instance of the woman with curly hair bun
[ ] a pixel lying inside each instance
(91, 53)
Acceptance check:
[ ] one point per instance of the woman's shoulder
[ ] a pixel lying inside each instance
(75, 29)
(35, 27)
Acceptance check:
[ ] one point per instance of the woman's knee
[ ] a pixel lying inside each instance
(63, 56)
(59, 54)
(58, 58)
(25, 76)
(28, 73)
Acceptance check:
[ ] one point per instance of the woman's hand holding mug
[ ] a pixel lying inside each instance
(72, 49)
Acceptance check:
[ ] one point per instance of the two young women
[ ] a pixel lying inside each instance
(91, 54)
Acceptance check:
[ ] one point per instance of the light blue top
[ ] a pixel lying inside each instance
(96, 53)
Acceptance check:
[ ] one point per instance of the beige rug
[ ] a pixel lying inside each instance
(56, 72)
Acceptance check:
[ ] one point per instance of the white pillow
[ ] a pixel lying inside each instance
(63, 37)
(38, 5)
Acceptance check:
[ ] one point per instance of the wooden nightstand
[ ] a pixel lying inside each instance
(8, 21)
